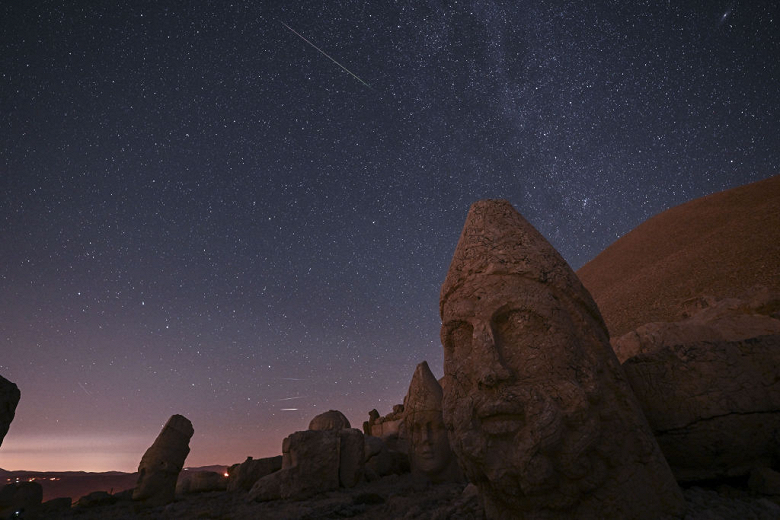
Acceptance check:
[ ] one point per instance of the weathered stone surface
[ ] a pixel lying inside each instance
(351, 457)
(430, 454)
(750, 315)
(538, 409)
(330, 420)
(241, 477)
(160, 466)
(764, 481)
(714, 406)
(9, 398)
(20, 495)
(200, 482)
(310, 465)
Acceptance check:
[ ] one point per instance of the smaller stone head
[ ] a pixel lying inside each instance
(429, 447)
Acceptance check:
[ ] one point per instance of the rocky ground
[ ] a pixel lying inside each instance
(394, 497)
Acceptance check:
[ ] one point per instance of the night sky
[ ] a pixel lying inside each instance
(202, 213)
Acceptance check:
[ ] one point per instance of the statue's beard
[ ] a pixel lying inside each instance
(545, 460)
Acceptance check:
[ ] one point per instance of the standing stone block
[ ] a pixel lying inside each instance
(160, 466)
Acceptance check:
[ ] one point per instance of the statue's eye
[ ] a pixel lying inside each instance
(458, 337)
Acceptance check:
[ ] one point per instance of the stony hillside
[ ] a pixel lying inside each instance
(718, 245)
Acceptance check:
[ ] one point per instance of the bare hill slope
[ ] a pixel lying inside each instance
(719, 245)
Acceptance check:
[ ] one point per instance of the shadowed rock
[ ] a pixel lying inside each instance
(429, 448)
(160, 466)
(241, 477)
(714, 406)
(536, 404)
(200, 482)
(9, 398)
(17, 496)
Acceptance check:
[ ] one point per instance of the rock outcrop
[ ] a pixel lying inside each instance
(430, 454)
(314, 461)
(241, 477)
(537, 406)
(9, 399)
(714, 406)
(330, 420)
(754, 313)
(163, 461)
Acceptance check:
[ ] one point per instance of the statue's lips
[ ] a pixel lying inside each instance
(501, 418)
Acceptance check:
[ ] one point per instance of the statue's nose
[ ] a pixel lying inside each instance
(490, 370)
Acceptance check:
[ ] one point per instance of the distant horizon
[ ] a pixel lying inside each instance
(120, 452)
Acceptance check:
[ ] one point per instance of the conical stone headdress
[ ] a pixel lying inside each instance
(425, 393)
(497, 240)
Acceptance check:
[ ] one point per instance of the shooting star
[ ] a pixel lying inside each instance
(326, 54)
(291, 398)
(289, 409)
(85, 390)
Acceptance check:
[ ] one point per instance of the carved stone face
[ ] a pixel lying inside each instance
(519, 389)
(429, 447)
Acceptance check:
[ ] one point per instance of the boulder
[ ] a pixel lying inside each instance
(200, 482)
(314, 461)
(330, 420)
(163, 461)
(310, 465)
(241, 477)
(537, 407)
(714, 405)
(9, 398)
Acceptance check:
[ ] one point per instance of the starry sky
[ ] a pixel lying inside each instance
(243, 211)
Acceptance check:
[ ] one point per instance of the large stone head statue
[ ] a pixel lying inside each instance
(429, 448)
(537, 407)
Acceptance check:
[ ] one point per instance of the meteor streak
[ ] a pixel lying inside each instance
(326, 54)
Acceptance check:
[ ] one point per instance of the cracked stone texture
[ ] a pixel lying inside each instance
(538, 410)
(9, 398)
(714, 406)
(163, 461)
